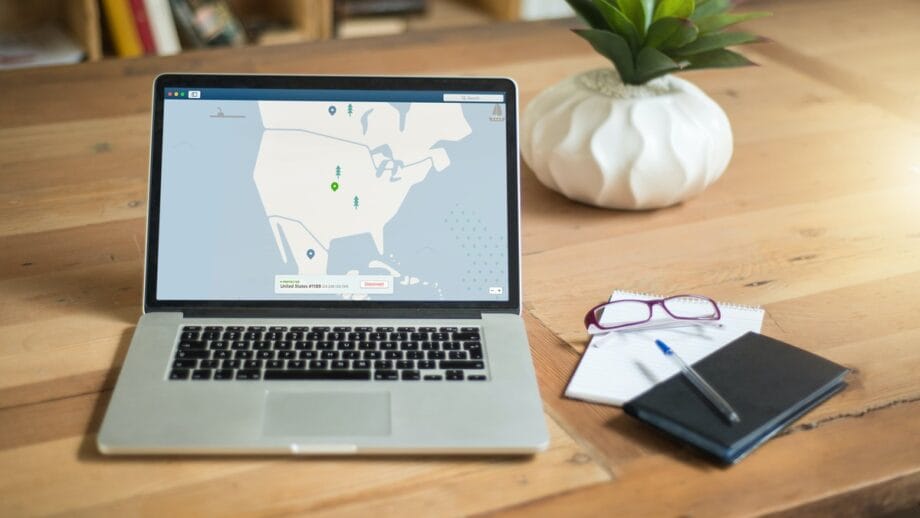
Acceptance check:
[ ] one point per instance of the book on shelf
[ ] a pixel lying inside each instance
(120, 18)
(163, 27)
(46, 45)
(141, 23)
(207, 23)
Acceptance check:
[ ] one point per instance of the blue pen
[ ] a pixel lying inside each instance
(705, 388)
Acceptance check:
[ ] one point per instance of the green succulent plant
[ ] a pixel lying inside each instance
(645, 39)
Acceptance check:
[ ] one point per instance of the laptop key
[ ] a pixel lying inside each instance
(178, 374)
(319, 329)
(189, 355)
(450, 346)
(387, 346)
(330, 355)
(386, 375)
(418, 336)
(265, 355)
(405, 364)
(351, 355)
(300, 329)
(318, 364)
(461, 364)
(257, 329)
(188, 335)
(243, 355)
(372, 355)
(223, 374)
(433, 377)
(231, 364)
(476, 377)
(383, 364)
(346, 345)
(472, 345)
(277, 364)
(448, 329)
(185, 364)
(436, 355)
(303, 346)
(406, 329)
(208, 364)
(282, 345)
(430, 346)
(415, 355)
(242, 345)
(425, 364)
(465, 336)
(363, 329)
(317, 375)
(409, 346)
(325, 345)
(410, 375)
(287, 355)
(307, 355)
(384, 329)
(393, 355)
(214, 328)
(291, 364)
(367, 346)
(249, 374)
(377, 336)
(236, 329)
(457, 355)
(219, 345)
(189, 344)
(222, 355)
(454, 375)
(439, 336)
(476, 354)
(192, 328)
(361, 364)
(201, 374)
(427, 329)
(340, 364)
(342, 329)
(469, 329)
(277, 329)
(252, 364)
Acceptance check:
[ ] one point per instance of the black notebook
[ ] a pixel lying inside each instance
(768, 382)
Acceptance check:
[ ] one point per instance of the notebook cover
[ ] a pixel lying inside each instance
(768, 382)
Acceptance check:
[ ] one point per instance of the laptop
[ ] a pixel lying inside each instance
(332, 267)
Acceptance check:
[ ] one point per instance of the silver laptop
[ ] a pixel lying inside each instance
(333, 267)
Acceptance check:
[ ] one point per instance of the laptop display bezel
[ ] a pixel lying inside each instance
(325, 307)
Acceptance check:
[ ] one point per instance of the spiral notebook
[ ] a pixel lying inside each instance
(620, 365)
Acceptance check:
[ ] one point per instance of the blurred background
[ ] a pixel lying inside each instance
(50, 32)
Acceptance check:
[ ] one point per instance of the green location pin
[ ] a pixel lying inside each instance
(335, 186)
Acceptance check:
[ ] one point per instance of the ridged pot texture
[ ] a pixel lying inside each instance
(600, 142)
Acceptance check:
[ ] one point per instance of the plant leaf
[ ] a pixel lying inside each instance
(622, 25)
(613, 47)
(673, 9)
(588, 13)
(651, 63)
(706, 8)
(685, 33)
(636, 14)
(660, 31)
(720, 58)
(714, 41)
(720, 21)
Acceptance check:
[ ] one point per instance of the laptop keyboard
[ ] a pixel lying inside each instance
(328, 353)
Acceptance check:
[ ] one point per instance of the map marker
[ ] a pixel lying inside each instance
(332, 110)
(310, 253)
(335, 186)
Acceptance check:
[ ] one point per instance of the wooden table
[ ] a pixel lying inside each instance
(817, 219)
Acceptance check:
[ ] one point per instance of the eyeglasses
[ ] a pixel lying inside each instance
(630, 312)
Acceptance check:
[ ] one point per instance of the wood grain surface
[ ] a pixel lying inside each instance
(817, 219)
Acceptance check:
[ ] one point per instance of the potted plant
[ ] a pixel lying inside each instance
(634, 136)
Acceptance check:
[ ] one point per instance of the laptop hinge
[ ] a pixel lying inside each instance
(440, 313)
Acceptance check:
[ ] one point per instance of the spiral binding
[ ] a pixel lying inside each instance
(721, 304)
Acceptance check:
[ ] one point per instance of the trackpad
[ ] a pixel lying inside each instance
(326, 413)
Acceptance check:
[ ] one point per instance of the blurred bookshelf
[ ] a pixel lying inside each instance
(43, 32)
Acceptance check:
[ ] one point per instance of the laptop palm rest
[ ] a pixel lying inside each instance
(293, 414)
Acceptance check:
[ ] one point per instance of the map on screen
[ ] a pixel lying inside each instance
(332, 200)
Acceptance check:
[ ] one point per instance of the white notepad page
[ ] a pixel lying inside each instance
(619, 365)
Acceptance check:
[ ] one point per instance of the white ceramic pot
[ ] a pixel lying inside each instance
(599, 141)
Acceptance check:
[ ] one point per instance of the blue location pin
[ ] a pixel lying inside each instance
(332, 110)
(310, 253)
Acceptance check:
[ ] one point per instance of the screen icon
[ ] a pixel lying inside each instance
(194, 94)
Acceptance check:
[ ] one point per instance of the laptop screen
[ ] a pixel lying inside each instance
(319, 195)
